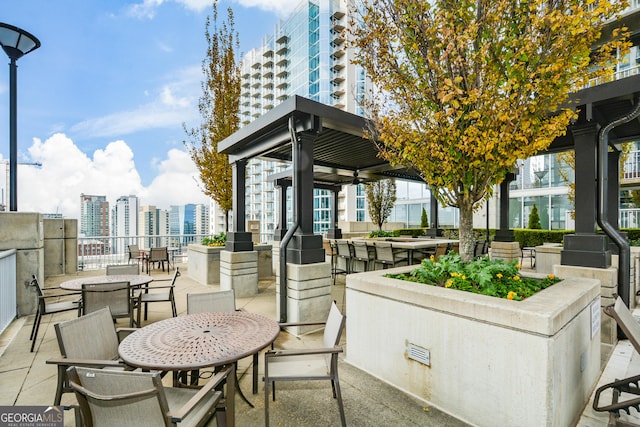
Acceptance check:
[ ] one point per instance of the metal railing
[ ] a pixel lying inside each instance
(629, 218)
(8, 302)
(98, 252)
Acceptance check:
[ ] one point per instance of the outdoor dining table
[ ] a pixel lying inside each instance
(135, 280)
(411, 244)
(197, 341)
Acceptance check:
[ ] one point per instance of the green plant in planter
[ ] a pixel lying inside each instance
(381, 233)
(482, 276)
(215, 240)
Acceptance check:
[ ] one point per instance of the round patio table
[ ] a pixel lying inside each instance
(198, 341)
(135, 280)
(201, 340)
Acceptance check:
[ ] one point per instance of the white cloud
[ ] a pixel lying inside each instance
(144, 10)
(173, 104)
(67, 172)
(197, 5)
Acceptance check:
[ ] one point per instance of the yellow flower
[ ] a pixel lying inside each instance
(499, 275)
(432, 258)
(551, 276)
(448, 284)
(511, 294)
(464, 277)
(516, 278)
(518, 266)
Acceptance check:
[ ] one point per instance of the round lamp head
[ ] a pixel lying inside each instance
(16, 42)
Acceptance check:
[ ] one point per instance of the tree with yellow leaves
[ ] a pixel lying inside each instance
(219, 108)
(465, 88)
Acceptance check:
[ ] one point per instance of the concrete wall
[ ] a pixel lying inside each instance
(60, 246)
(25, 233)
(492, 362)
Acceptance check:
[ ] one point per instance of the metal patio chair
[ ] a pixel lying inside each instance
(152, 293)
(91, 340)
(307, 363)
(159, 256)
(625, 392)
(138, 399)
(115, 295)
(45, 307)
(116, 269)
(388, 256)
(362, 253)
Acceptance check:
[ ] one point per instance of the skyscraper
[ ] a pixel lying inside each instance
(307, 56)
(94, 215)
(125, 222)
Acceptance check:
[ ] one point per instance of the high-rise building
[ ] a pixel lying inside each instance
(124, 223)
(202, 220)
(94, 215)
(154, 226)
(307, 56)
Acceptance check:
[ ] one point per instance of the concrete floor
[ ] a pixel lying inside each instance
(27, 380)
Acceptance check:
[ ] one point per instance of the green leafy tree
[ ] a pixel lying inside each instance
(534, 219)
(424, 219)
(219, 108)
(381, 196)
(465, 88)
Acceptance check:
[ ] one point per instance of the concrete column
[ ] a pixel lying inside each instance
(239, 240)
(433, 230)
(308, 295)
(239, 271)
(586, 248)
(505, 234)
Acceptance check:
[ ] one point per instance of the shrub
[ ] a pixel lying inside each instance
(382, 233)
(215, 240)
(482, 276)
(534, 219)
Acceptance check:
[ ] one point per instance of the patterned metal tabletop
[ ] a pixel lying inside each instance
(133, 279)
(198, 340)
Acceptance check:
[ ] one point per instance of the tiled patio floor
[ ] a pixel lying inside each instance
(27, 380)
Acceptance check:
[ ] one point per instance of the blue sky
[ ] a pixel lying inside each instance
(101, 104)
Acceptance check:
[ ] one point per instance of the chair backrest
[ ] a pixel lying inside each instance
(119, 398)
(344, 249)
(92, 336)
(333, 331)
(116, 296)
(134, 251)
(625, 321)
(441, 249)
(36, 285)
(122, 269)
(208, 302)
(159, 254)
(479, 248)
(384, 252)
(454, 247)
(360, 250)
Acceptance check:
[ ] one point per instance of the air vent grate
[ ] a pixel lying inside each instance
(419, 354)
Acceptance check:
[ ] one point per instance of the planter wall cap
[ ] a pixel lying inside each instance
(544, 313)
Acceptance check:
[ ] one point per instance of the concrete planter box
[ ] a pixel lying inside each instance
(491, 361)
(204, 263)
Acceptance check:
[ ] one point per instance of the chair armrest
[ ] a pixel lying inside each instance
(95, 363)
(67, 294)
(215, 381)
(155, 287)
(302, 352)
(283, 324)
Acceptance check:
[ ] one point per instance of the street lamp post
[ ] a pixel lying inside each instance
(15, 43)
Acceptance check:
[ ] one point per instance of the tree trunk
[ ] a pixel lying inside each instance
(467, 241)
